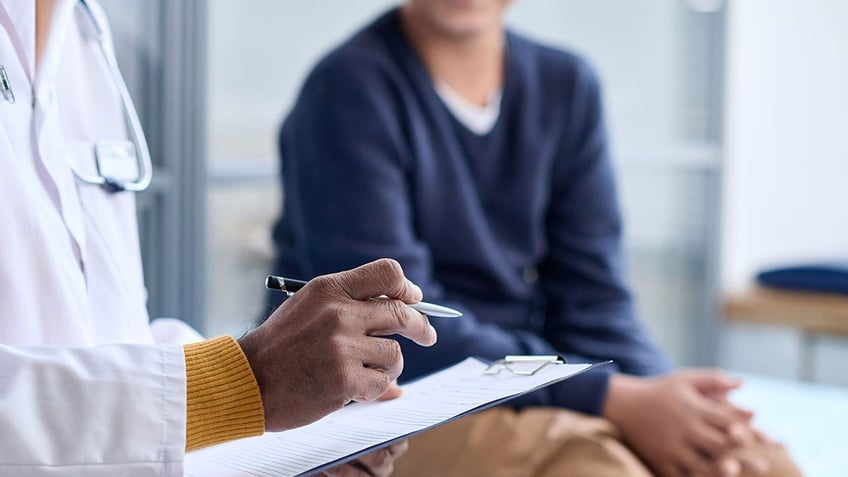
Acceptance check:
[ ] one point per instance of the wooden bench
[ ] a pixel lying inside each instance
(813, 314)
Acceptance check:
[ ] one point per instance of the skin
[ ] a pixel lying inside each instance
(336, 318)
(43, 14)
(380, 463)
(461, 42)
(681, 423)
(376, 464)
(327, 345)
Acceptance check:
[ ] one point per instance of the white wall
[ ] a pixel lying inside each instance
(786, 183)
(260, 52)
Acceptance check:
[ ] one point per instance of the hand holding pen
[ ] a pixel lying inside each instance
(335, 347)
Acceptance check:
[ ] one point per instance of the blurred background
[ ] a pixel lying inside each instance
(728, 121)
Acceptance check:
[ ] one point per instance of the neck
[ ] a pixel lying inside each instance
(472, 65)
(43, 16)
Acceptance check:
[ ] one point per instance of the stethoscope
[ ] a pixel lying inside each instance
(111, 157)
(143, 163)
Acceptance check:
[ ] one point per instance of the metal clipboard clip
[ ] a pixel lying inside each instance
(524, 365)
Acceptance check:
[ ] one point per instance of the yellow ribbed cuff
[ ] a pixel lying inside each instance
(223, 401)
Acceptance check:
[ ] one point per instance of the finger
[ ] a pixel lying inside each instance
(380, 277)
(367, 384)
(380, 462)
(728, 405)
(694, 463)
(742, 414)
(389, 317)
(376, 464)
(348, 470)
(398, 449)
(393, 392)
(741, 434)
(710, 381)
(717, 415)
(711, 441)
(729, 466)
(754, 464)
(383, 354)
(760, 436)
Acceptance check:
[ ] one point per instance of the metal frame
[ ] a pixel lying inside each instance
(705, 339)
(704, 157)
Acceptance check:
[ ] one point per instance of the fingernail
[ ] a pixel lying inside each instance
(436, 335)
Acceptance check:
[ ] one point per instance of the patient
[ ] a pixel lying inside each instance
(479, 159)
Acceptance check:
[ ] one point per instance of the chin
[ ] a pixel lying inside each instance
(462, 17)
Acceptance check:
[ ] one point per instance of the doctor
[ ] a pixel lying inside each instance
(88, 386)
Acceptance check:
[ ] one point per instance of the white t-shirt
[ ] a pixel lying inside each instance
(478, 119)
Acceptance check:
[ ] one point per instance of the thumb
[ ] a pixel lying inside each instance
(393, 392)
(380, 277)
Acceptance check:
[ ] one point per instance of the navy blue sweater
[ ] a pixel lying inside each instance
(519, 228)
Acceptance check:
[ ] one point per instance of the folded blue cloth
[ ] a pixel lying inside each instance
(829, 277)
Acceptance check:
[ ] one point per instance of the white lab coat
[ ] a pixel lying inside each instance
(84, 387)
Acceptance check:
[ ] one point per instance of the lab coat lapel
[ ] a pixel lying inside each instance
(16, 119)
(50, 141)
(21, 15)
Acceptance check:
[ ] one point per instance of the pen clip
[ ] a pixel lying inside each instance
(6, 86)
(278, 283)
(523, 365)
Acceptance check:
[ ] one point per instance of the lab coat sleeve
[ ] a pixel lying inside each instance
(173, 331)
(105, 410)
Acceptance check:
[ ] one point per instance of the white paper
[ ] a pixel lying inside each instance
(357, 427)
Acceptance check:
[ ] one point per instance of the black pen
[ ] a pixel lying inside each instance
(290, 285)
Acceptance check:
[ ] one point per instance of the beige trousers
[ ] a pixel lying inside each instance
(537, 442)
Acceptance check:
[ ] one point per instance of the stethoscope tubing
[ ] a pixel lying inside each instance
(136, 133)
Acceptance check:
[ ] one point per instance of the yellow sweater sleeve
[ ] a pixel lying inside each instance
(223, 401)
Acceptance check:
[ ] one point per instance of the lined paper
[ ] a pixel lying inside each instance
(361, 427)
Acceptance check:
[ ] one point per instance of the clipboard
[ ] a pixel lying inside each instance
(470, 386)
